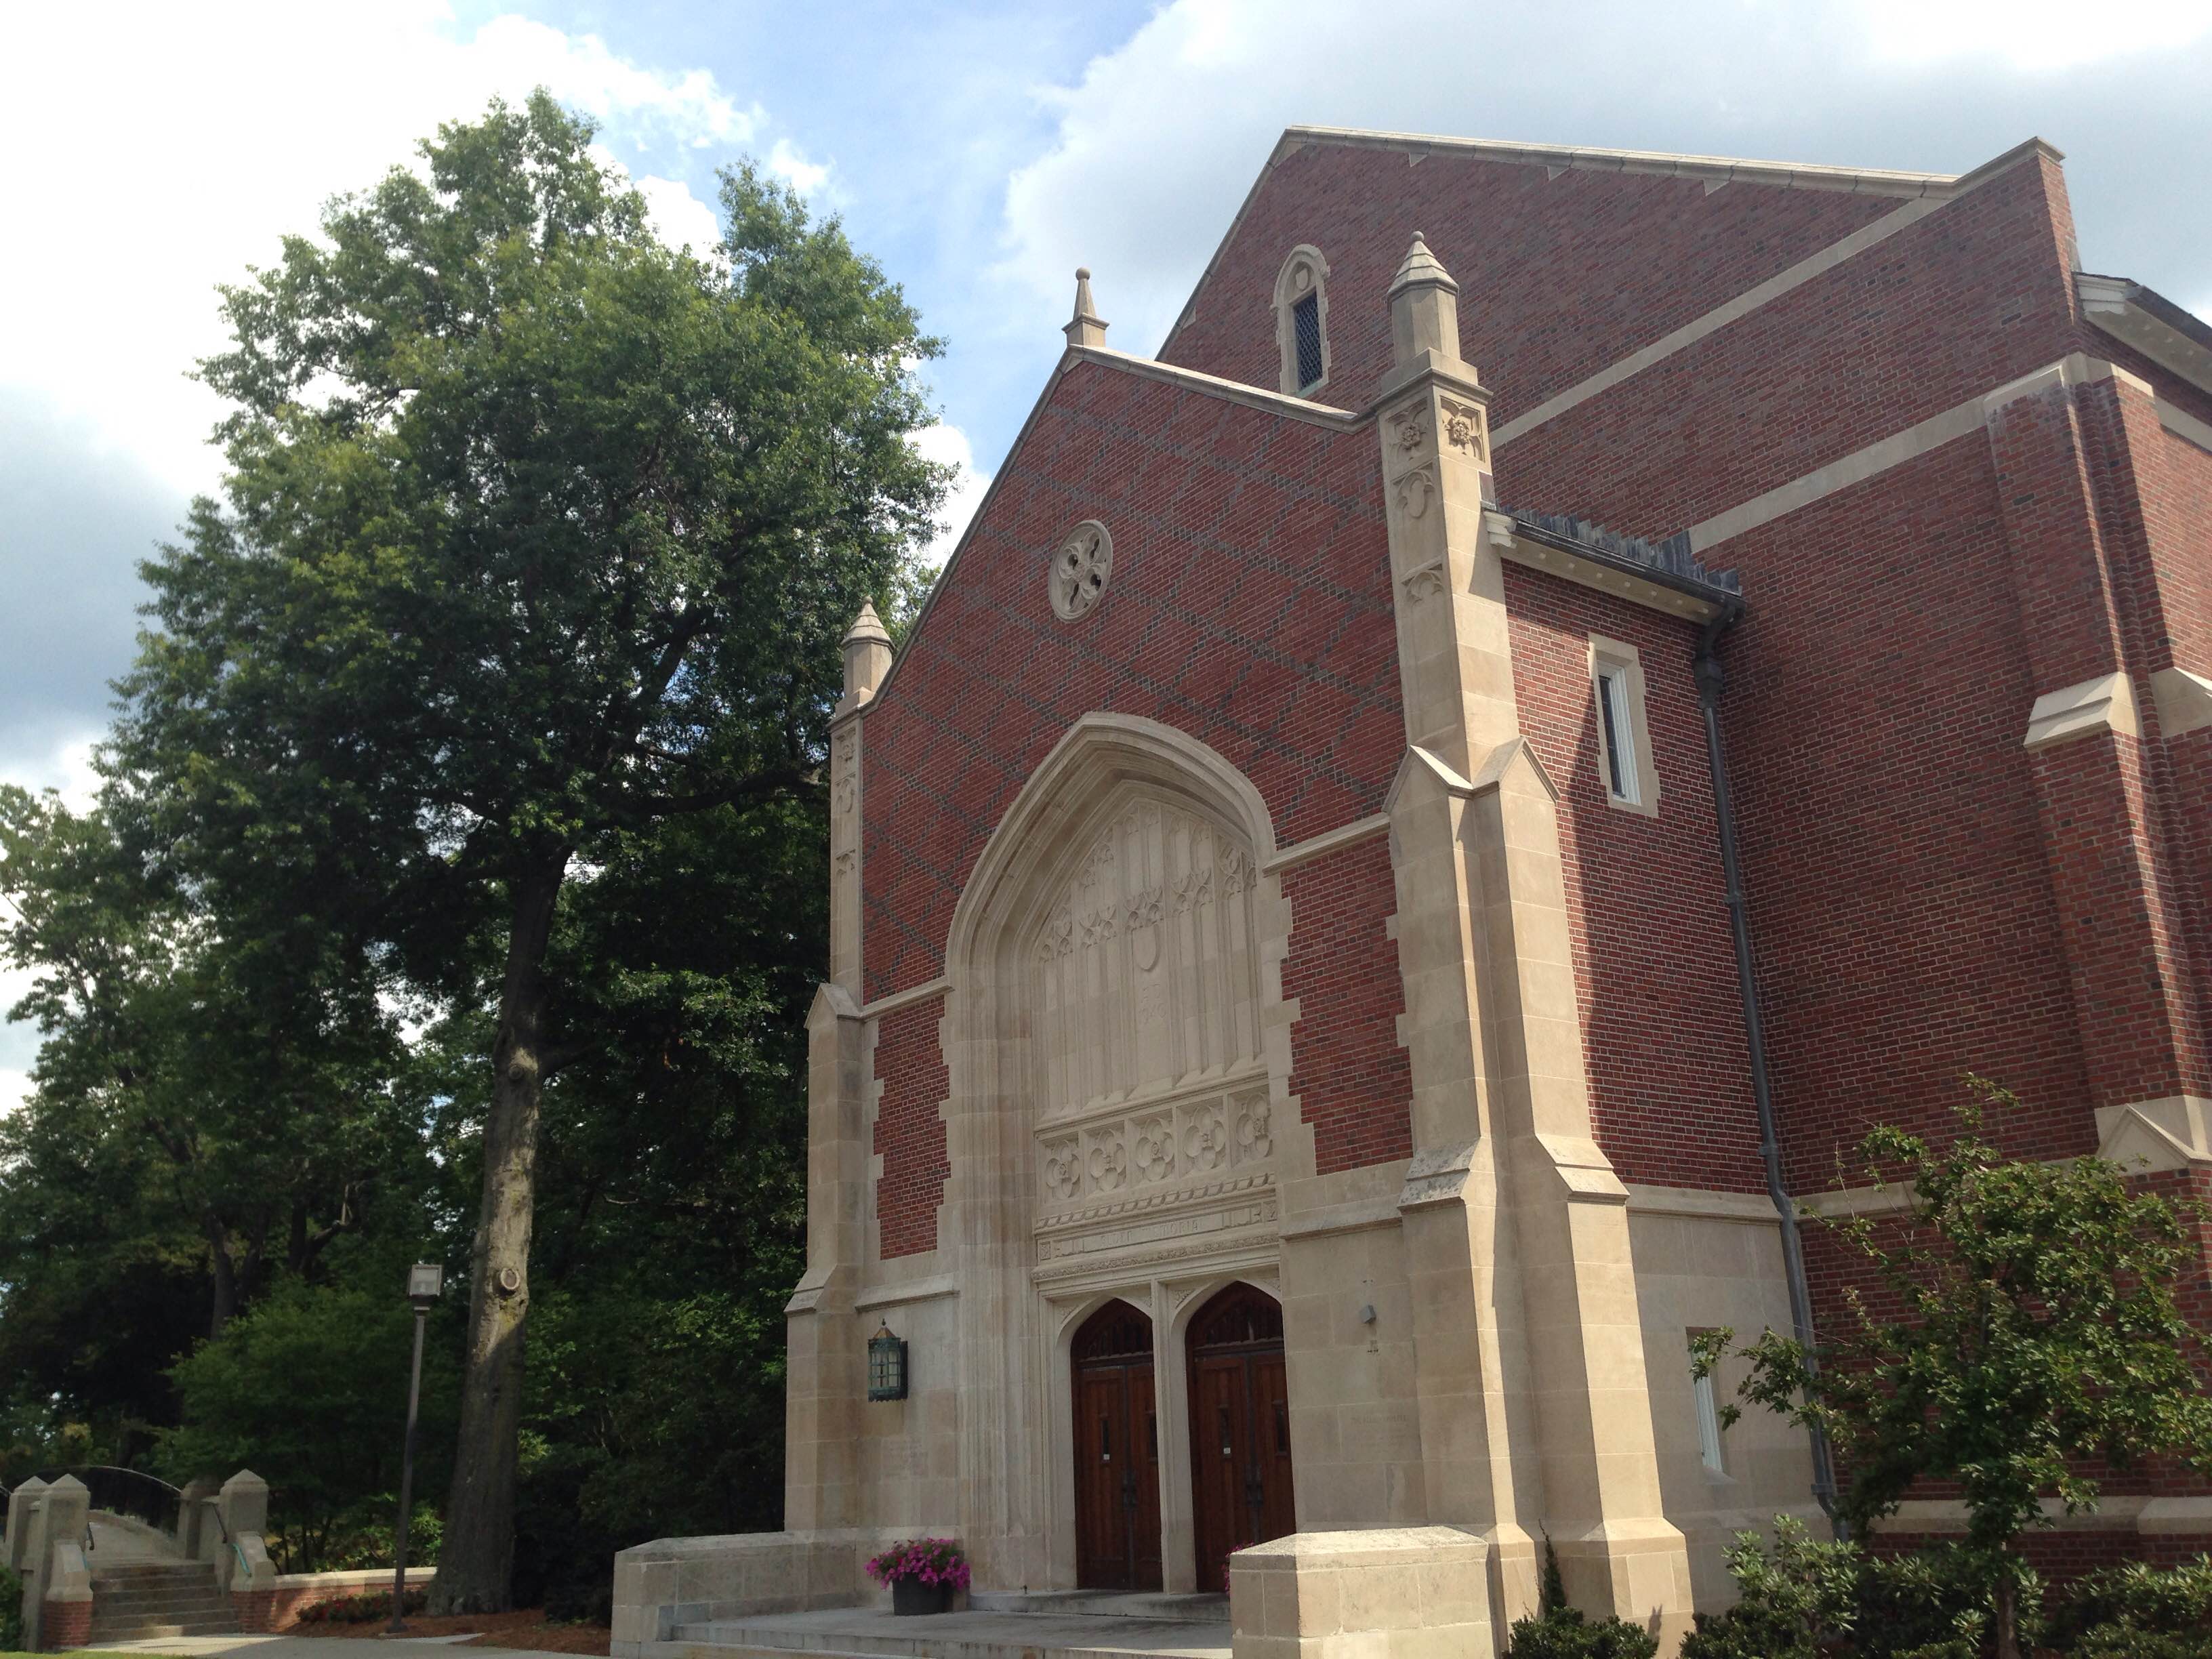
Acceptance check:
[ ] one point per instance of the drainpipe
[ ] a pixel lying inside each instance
(1711, 681)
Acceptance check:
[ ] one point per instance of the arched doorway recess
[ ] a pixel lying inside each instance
(1240, 1428)
(1117, 1452)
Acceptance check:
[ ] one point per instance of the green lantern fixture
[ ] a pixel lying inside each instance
(886, 1365)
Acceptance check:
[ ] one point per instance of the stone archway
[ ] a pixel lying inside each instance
(1116, 1085)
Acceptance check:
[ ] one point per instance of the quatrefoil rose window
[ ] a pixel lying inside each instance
(1080, 570)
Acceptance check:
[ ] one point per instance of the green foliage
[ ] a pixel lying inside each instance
(1945, 1602)
(308, 1389)
(1789, 1604)
(1808, 1599)
(369, 1607)
(2139, 1612)
(1560, 1632)
(11, 1610)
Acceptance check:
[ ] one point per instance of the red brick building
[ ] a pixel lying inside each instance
(1285, 1058)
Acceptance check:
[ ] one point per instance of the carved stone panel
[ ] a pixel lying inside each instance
(1146, 976)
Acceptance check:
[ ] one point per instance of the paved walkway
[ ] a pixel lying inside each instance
(310, 1647)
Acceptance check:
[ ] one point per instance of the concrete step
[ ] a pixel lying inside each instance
(877, 1633)
(207, 1602)
(1179, 1608)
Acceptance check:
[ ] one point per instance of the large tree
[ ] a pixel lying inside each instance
(536, 535)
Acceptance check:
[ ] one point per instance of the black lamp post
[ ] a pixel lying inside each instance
(424, 1280)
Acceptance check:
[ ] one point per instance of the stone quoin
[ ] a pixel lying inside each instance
(1283, 1071)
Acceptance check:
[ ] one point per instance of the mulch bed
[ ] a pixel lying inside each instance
(526, 1627)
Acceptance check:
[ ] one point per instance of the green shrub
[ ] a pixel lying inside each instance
(360, 1609)
(1941, 1603)
(1560, 1632)
(11, 1611)
(2139, 1612)
(1790, 1603)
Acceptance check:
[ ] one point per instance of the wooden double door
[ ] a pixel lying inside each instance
(1240, 1429)
(1240, 1440)
(1117, 1453)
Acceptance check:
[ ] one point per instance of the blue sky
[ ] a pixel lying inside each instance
(981, 152)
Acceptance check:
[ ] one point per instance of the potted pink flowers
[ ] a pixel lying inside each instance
(922, 1573)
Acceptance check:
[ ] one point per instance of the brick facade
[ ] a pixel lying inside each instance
(1929, 893)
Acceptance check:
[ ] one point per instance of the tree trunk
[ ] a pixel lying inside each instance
(225, 1272)
(2008, 1611)
(475, 1561)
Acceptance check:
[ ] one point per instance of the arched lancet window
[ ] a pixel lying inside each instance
(1302, 321)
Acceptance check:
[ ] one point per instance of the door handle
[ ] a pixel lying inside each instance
(1227, 1450)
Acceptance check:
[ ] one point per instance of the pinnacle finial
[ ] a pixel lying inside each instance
(1085, 327)
(1421, 267)
(867, 625)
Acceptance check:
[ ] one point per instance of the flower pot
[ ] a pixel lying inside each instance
(911, 1595)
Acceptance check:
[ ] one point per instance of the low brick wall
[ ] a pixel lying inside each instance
(66, 1625)
(279, 1608)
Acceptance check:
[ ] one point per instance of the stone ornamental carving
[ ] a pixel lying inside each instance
(1254, 1140)
(1415, 492)
(1463, 428)
(1205, 1137)
(1425, 583)
(1107, 1161)
(848, 770)
(1063, 1168)
(1156, 1148)
(1147, 971)
(1079, 569)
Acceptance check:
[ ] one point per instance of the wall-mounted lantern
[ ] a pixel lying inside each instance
(886, 1365)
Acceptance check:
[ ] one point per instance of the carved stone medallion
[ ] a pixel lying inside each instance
(1080, 570)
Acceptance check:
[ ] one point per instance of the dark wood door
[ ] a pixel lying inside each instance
(1241, 1490)
(1117, 1453)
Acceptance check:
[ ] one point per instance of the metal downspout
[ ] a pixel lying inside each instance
(1711, 679)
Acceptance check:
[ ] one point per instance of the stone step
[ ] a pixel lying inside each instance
(193, 1602)
(877, 1633)
(1179, 1608)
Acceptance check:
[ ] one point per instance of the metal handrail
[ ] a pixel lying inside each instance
(131, 1492)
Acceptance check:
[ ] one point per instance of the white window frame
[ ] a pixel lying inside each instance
(1617, 688)
(1305, 272)
(1704, 1403)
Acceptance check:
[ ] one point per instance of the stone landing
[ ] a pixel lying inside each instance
(1074, 1625)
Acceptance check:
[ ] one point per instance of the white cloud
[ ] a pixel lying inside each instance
(14, 1087)
(787, 162)
(2028, 34)
(679, 218)
(226, 127)
(948, 446)
(66, 768)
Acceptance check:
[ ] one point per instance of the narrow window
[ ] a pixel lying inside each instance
(1624, 730)
(1709, 1426)
(1305, 318)
(1619, 755)
(1302, 321)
